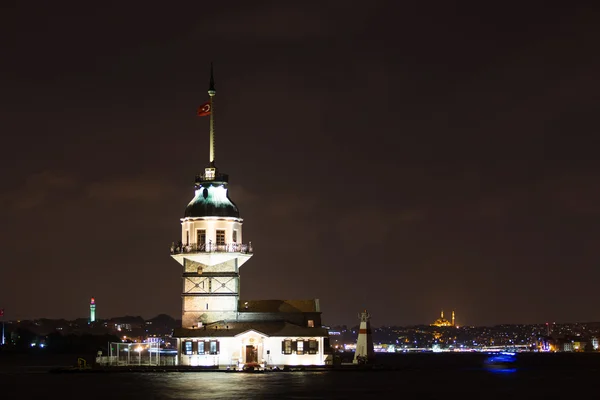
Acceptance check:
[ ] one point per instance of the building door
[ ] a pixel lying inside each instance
(251, 355)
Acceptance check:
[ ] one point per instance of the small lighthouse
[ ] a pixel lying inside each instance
(92, 310)
(364, 344)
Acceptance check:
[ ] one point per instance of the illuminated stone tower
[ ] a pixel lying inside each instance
(211, 250)
(92, 310)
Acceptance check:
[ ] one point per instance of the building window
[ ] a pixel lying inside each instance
(200, 237)
(188, 348)
(286, 346)
(311, 323)
(200, 347)
(214, 347)
(234, 238)
(187, 238)
(207, 306)
(313, 346)
(220, 237)
(300, 346)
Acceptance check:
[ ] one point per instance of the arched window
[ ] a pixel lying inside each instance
(300, 347)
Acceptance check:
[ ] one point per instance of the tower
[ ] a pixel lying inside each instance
(211, 250)
(92, 310)
(364, 344)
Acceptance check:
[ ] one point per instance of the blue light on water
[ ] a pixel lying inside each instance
(503, 370)
(502, 363)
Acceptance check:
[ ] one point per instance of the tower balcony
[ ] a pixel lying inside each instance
(211, 248)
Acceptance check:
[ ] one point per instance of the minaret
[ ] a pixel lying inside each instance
(453, 324)
(364, 344)
(92, 310)
(442, 315)
(211, 250)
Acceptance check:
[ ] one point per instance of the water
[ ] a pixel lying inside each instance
(427, 380)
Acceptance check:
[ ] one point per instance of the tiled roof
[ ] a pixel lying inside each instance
(285, 306)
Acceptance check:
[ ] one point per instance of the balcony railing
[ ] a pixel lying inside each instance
(211, 248)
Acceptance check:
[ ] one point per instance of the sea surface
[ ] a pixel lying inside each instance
(429, 377)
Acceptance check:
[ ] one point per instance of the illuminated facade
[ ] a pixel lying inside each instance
(219, 329)
(441, 321)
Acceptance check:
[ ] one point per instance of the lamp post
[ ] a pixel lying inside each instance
(139, 350)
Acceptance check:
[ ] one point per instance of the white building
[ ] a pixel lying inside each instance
(217, 327)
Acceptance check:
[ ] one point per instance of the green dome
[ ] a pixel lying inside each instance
(211, 200)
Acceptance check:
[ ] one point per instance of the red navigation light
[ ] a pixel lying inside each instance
(93, 301)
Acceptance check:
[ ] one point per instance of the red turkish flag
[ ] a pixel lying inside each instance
(204, 109)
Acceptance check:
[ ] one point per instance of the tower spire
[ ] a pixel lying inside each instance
(212, 92)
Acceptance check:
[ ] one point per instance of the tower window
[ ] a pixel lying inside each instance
(220, 237)
(311, 323)
(207, 306)
(187, 237)
(234, 237)
(200, 237)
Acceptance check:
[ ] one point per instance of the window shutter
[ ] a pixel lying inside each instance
(294, 346)
(217, 347)
(283, 346)
(194, 347)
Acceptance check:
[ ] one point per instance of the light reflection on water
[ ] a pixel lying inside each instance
(427, 384)
(297, 385)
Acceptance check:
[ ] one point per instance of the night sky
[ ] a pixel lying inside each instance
(397, 157)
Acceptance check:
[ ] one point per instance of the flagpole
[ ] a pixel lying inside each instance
(212, 93)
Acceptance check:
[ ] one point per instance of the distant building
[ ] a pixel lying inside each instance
(441, 321)
(217, 327)
(92, 310)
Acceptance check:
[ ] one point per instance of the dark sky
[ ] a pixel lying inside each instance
(397, 157)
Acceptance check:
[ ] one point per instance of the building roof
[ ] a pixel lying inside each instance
(211, 200)
(284, 306)
(232, 329)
